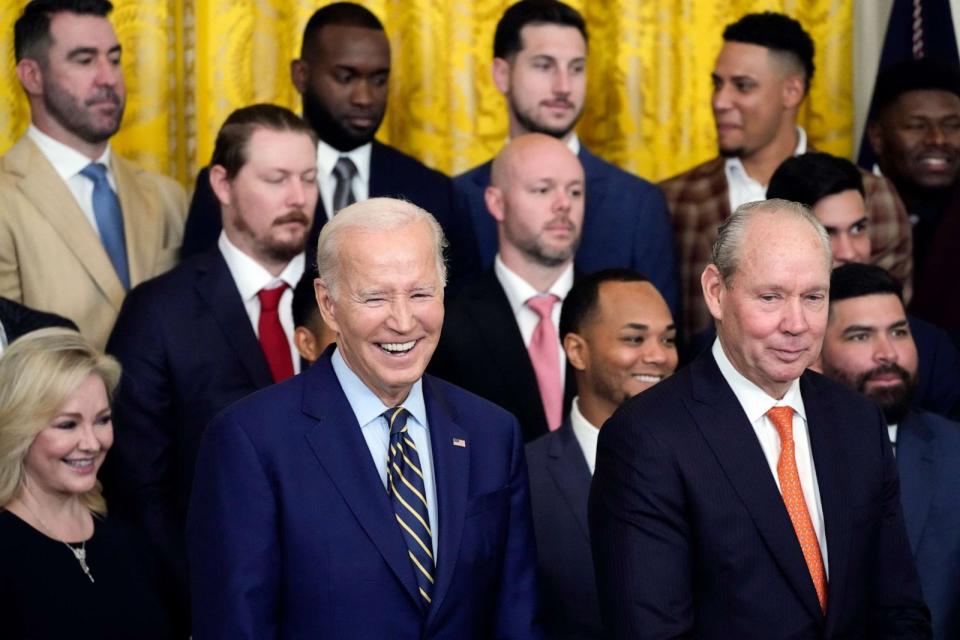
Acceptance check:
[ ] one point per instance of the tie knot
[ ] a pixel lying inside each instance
(542, 304)
(345, 169)
(782, 419)
(397, 419)
(95, 171)
(270, 298)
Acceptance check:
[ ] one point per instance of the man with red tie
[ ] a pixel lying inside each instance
(500, 337)
(746, 496)
(216, 328)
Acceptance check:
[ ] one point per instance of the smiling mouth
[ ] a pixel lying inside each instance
(397, 348)
(80, 463)
(646, 378)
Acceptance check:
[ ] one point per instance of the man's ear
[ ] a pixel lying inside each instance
(298, 74)
(306, 344)
(220, 184)
(875, 136)
(794, 90)
(576, 349)
(501, 75)
(713, 290)
(31, 76)
(326, 303)
(493, 197)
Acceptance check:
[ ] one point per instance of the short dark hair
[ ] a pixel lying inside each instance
(777, 32)
(506, 39)
(31, 31)
(304, 305)
(581, 301)
(810, 177)
(913, 75)
(854, 280)
(344, 14)
(230, 148)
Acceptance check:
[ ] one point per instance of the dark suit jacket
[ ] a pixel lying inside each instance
(392, 173)
(626, 223)
(928, 458)
(559, 486)
(691, 537)
(292, 535)
(481, 349)
(188, 350)
(17, 319)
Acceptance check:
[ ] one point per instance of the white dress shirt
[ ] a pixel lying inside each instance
(327, 158)
(743, 188)
(574, 144)
(756, 403)
(519, 291)
(250, 278)
(68, 163)
(585, 433)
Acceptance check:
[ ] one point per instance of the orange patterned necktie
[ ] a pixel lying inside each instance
(782, 419)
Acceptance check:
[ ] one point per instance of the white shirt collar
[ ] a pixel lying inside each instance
(327, 158)
(737, 173)
(250, 277)
(66, 160)
(754, 400)
(519, 290)
(574, 144)
(585, 433)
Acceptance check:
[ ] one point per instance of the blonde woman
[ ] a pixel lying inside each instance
(66, 570)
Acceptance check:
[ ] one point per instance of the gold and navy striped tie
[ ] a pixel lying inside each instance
(406, 488)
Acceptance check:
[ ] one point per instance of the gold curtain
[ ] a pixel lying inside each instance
(189, 63)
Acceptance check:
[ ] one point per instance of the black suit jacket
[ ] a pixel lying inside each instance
(392, 173)
(691, 537)
(481, 349)
(188, 350)
(17, 319)
(559, 487)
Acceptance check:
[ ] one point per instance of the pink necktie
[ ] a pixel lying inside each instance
(544, 353)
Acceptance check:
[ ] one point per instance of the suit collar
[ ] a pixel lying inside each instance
(916, 464)
(568, 470)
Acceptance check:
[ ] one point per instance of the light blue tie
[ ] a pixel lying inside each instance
(106, 210)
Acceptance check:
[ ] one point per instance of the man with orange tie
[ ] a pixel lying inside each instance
(500, 337)
(216, 328)
(746, 496)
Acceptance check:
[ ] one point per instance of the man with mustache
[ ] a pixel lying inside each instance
(217, 327)
(79, 225)
(539, 65)
(499, 337)
(869, 348)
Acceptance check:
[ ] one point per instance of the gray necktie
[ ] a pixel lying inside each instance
(343, 196)
(109, 217)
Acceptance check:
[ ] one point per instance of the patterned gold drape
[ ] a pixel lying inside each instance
(188, 63)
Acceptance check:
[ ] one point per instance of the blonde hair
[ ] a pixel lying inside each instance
(38, 372)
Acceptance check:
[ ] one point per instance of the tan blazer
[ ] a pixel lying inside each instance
(51, 257)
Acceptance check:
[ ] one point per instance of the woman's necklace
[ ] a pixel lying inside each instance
(80, 554)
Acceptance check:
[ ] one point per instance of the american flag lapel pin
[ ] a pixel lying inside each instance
(459, 442)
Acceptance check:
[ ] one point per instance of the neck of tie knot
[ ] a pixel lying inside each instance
(782, 419)
(270, 298)
(397, 419)
(345, 169)
(542, 304)
(96, 172)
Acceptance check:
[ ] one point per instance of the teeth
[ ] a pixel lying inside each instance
(648, 378)
(398, 347)
(85, 462)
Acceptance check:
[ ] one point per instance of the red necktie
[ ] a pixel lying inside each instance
(544, 353)
(782, 419)
(273, 340)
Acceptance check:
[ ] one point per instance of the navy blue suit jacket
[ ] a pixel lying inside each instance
(691, 537)
(188, 350)
(626, 224)
(291, 533)
(928, 458)
(559, 487)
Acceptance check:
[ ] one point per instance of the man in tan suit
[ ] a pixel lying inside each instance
(79, 225)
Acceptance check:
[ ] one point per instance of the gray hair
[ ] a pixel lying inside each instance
(374, 214)
(725, 254)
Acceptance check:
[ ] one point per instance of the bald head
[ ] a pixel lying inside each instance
(520, 152)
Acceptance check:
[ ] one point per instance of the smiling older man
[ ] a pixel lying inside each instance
(363, 499)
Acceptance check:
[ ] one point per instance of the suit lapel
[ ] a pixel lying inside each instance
(49, 194)
(484, 227)
(140, 218)
(216, 287)
(596, 192)
(915, 462)
(735, 445)
(569, 471)
(451, 472)
(338, 444)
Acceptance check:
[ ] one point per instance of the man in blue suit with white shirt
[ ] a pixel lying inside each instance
(539, 65)
(363, 499)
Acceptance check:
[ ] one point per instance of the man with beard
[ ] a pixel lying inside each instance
(868, 347)
(342, 77)
(79, 224)
(539, 65)
(761, 76)
(217, 327)
(499, 337)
